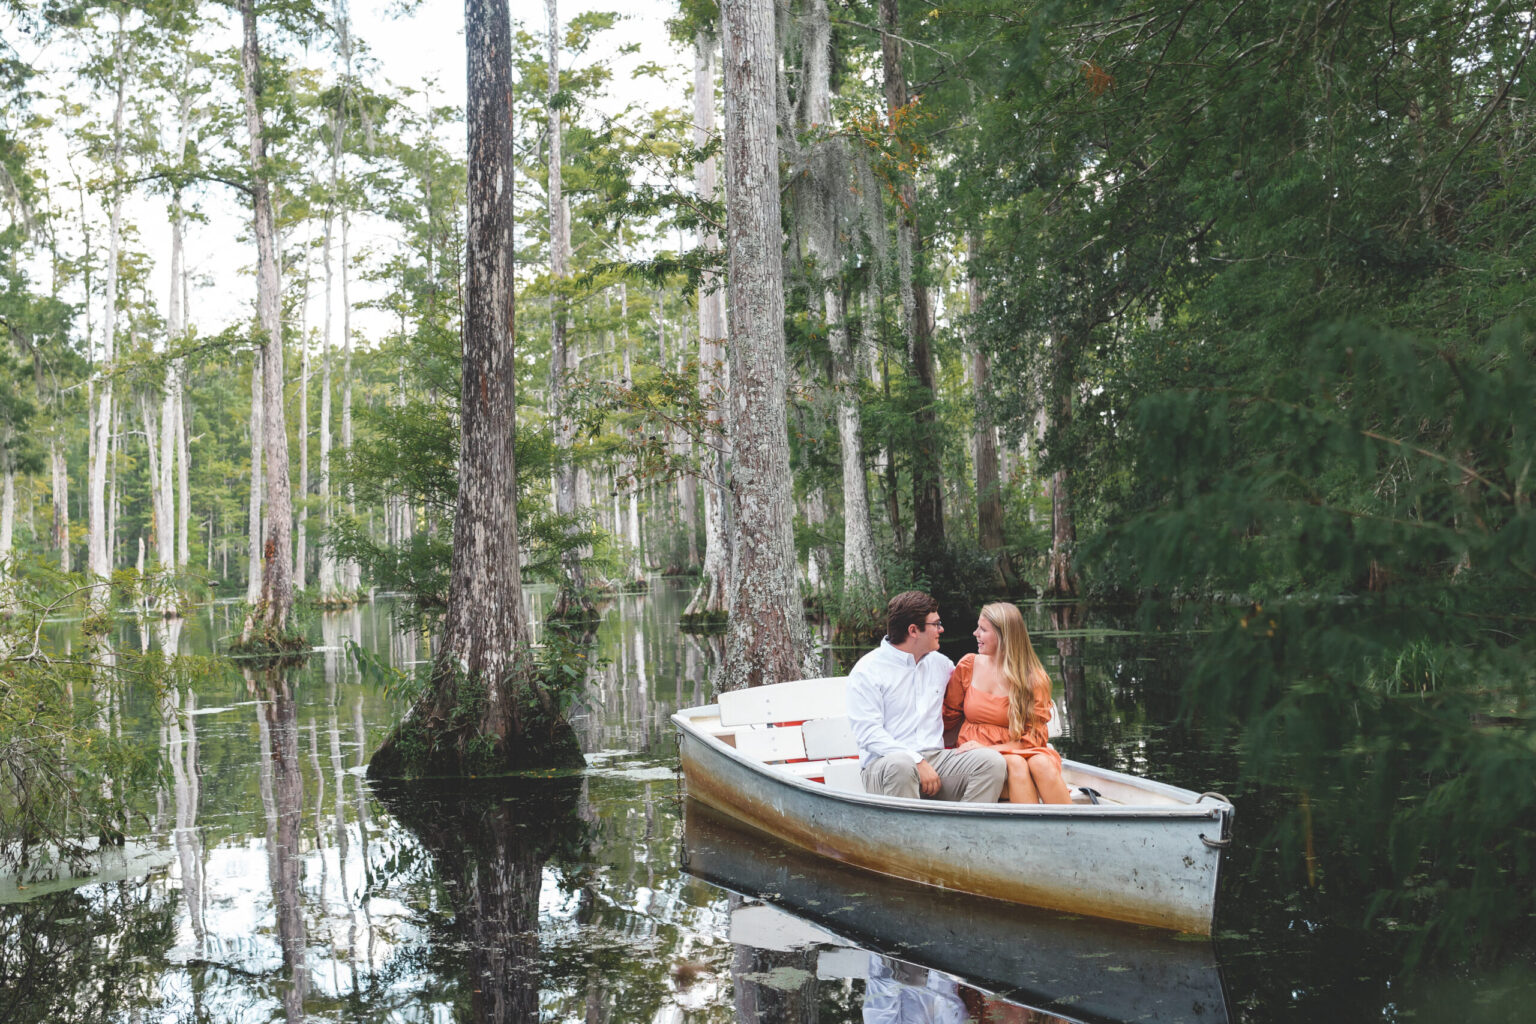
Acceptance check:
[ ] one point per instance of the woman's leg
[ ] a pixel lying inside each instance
(1046, 775)
(1020, 788)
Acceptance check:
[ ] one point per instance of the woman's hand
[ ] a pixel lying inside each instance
(968, 745)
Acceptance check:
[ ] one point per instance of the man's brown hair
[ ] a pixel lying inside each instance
(908, 608)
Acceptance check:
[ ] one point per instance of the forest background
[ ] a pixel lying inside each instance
(1221, 311)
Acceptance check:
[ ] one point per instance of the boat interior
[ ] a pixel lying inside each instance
(801, 728)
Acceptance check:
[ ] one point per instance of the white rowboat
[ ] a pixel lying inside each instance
(781, 759)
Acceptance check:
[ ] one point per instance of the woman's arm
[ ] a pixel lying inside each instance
(954, 698)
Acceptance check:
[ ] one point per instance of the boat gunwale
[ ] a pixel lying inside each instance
(1191, 807)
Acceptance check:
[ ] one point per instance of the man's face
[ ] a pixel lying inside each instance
(927, 638)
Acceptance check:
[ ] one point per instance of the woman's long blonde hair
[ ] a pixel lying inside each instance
(1017, 661)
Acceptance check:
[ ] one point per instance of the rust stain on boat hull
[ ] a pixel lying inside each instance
(1088, 864)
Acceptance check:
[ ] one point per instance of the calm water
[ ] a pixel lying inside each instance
(271, 882)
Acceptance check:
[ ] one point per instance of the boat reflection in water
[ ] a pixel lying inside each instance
(929, 955)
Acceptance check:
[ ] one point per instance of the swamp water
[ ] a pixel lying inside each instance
(274, 883)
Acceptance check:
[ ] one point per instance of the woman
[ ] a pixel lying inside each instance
(1000, 697)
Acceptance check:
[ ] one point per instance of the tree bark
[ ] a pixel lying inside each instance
(175, 331)
(99, 551)
(183, 471)
(7, 517)
(269, 616)
(1061, 580)
(711, 601)
(484, 709)
(58, 455)
(916, 317)
(571, 599)
(989, 495)
(766, 641)
(153, 437)
(327, 569)
(823, 232)
(253, 523)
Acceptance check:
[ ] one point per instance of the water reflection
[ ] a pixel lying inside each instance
(489, 843)
(277, 885)
(282, 801)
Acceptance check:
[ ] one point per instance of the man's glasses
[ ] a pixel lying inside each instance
(936, 622)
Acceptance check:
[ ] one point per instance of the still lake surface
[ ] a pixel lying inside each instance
(270, 881)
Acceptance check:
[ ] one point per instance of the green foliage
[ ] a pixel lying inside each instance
(68, 776)
(1375, 552)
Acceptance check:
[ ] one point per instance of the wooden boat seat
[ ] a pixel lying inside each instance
(794, 702)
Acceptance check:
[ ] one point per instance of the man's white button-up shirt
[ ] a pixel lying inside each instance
(895, 703)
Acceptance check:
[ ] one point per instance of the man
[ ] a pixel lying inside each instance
(895, 705)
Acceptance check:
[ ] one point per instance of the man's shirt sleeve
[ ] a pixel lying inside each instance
(866, 714)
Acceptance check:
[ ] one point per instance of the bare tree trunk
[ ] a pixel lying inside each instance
(175, 332)
(7, 516)
(269, 616)
(823, 233)
(165, 552)
(301, 542)
(58, 456)
(327, 572)
(482, 664)
(1062, 578)
(253, 524)
(114, 505)
(571, 600)
(99, 551)
(351, 571)
(711, 601)
(183, 472)
(989, 495)
(917, 320)
(767, 640)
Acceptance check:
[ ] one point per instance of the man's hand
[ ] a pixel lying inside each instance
(927, 779)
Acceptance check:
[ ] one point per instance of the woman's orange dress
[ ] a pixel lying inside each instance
(983, 716)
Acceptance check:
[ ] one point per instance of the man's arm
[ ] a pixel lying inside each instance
(866, 715)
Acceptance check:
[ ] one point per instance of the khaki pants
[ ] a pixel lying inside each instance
(974, 776)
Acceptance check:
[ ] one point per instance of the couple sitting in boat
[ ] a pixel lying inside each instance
(905, 699)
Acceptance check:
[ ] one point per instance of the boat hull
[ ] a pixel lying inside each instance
(1152, 866)
(1071, 966)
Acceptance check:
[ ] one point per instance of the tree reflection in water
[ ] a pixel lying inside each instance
(52, 970)
(282, 800)
(490, 841)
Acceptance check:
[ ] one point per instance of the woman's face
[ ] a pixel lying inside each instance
(986, 637)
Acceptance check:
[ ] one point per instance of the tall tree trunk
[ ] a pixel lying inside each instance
(711, 601)
(989, 494)
(301, 542)
(483, 687)
(99, 552)
(58, 454)
(114, 504)
(183, 455)
(175, 331)
(823, 234)
(7, 516)
(327, 571)
(766, 641)
(351, 571)
(269, 616)
(1061, 580)
(165, 552)
(571, 600)
(253, 523)
(917, 320)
